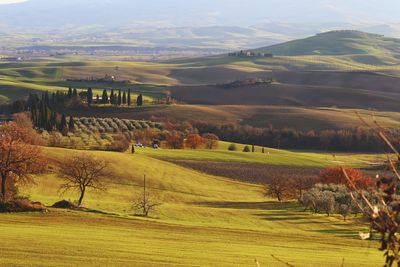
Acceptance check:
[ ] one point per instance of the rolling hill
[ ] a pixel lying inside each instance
(200, 214)
(301, 95)
(337, 43)
(366, 79)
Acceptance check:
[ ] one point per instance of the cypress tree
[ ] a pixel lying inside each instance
(71, 123)
(46, 98)
(119, 101)
(63, 123)
(104, 98)
(112, 97)
(139, 100)
(89, 96)
(42, 115)
(53, 120)
(129, 97)
(75, 93)
(124, 98)
(69, 93)
(53, 100)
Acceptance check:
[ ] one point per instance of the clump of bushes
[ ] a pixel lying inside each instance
(21, 205)
(120, 143)
(246, 149)
(332, 199)
(232, 147)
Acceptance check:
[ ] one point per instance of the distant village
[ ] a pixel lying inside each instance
(243, 53)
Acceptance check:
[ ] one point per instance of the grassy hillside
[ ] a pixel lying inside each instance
(337, 43)
(201, 215)
(287, 95)
(271, 157)
(304, 118)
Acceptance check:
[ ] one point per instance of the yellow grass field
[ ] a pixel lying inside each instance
(204, 221)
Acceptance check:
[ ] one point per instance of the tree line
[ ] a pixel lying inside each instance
(345, 140)
(47, 110)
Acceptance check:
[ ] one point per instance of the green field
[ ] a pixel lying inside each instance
(204, 221)
(271, 156)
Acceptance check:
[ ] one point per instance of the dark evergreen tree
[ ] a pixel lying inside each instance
(89, 96)
(104, 97)
(63, 124)
(46, 98)
(75, 93)
(119, 100)
(112, 97)
(71, 123)
(53, 100)
(53, 120)
(139, 100)
(124, 98)
(129, 97)
(69, 93)
(18, 106)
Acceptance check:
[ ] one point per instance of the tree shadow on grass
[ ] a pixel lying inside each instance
(283, 216)
(268, 205)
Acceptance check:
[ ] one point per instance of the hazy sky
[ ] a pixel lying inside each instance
(6, 2)
(197, 12)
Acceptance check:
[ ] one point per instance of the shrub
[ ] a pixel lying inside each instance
(120, 143)
(21, 205)
(232, 147)
(246, 149)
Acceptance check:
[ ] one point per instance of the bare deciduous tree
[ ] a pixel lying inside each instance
(279, 188)
(83, 171)
(145, 203)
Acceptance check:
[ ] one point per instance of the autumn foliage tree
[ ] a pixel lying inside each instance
(210, 140)
(279, 188)
(335, 175)
(19, 157)
(175, 140)
(193, 141)
(120, 143)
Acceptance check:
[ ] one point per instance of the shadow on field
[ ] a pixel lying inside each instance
(344, 232)
(284, 216)
(268, 205)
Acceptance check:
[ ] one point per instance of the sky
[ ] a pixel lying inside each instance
(196, 12)
(7, 2)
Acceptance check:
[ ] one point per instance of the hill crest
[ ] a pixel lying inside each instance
(341, 42)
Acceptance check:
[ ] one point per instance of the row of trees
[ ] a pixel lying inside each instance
(58, 101)
(287, 189)
(329, 193)
(358, 139)
(117, 99)
(44, 115)
(333, 199)
(177, 140)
